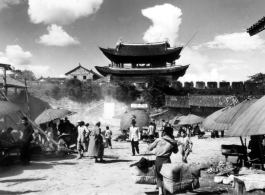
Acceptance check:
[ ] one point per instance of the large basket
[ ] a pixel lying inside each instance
(175, 187)
(139, 177)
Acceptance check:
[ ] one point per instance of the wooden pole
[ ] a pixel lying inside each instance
(245, 151)
(34, 124)
(261, 152)
(27, 97)
(5, 91)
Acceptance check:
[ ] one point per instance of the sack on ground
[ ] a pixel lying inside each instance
(144, 179)
(138, 172)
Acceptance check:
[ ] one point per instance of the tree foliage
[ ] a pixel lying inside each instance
(23, 74)
(259, 77)
(126, 92)
(154, 93)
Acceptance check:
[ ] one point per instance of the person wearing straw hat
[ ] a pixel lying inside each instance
(96, 147)
(164, 147)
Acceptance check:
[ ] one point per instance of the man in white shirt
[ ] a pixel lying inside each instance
(134, 136)
(83, 132)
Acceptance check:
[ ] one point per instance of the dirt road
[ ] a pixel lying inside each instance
(69, 176)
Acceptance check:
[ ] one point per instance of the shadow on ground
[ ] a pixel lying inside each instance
(21, 180)
(3, 192)
(116, 161)
(195, 192)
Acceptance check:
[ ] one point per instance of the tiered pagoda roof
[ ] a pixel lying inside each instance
(142, 53)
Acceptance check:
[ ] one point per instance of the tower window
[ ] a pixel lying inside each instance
(75, 77)
(84, 77)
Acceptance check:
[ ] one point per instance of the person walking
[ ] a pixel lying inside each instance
(151, 131)
(82, 134)
(164, 147)
(134, 136)
(96, 148)
(187, 144)
(108, 135)
(26, 139)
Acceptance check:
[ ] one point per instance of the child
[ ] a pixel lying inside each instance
(108, 135)
(187, 144)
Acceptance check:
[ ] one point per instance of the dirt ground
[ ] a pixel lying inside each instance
(68, 176)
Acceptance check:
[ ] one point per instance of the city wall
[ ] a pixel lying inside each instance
(235, 86)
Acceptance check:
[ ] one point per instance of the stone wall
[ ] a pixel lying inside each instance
(236, 86)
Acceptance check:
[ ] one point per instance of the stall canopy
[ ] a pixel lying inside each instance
(7, 108)
(52, 114)
(176, 120)
(210, 124)
(190, 120)
(230, 115)
(251, 122)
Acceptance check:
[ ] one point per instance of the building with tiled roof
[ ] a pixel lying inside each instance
(83, 74)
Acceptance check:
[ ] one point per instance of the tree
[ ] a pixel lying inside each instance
(74, 89)
(259, 77)
(126, 92)
(23, 74)
(154, 93)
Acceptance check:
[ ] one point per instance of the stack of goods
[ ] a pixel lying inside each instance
(178, 177)
(221, 168)
(143, 172)
(224, 172)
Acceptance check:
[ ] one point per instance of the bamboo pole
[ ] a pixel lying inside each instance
(261, 153)
(5, 91)
(33, 123)
(27, 96)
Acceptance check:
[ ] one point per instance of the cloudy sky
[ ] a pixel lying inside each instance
(51, 37)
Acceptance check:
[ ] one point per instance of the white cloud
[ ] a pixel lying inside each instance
(61, 11)
(232, 61)
(234, 41)
(6, 3)
(20, 59)
(57, 37)
(200, 69)
(17, 56)
(166, 21)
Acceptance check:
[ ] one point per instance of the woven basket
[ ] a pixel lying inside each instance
(175, 187)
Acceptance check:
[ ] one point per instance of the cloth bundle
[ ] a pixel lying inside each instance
(143, 172)
(139, 177)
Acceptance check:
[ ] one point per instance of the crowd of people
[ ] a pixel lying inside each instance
(62, 138)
